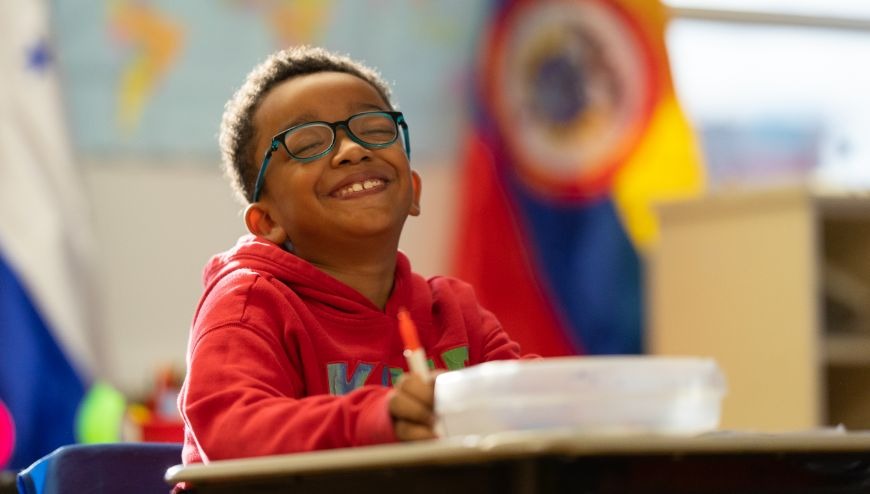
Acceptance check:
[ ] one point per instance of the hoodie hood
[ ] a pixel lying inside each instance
(255, 254)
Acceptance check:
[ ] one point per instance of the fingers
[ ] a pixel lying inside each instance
(411, 406)
(419, 388)
(410, 431)
(413, 400)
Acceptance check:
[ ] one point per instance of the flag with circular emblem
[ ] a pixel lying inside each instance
(577, 132)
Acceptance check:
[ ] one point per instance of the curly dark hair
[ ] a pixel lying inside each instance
(237, 132)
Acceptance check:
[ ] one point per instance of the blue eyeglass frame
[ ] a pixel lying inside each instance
(278, 140)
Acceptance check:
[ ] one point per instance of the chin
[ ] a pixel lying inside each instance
(375, 229)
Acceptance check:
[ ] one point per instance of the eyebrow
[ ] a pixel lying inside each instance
(300, 119)
(310, 117)
(370, 106)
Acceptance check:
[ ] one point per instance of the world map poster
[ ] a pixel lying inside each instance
(152, 77)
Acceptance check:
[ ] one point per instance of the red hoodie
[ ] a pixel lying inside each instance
(284, 358)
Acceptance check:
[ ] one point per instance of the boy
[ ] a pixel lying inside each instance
(295, 344)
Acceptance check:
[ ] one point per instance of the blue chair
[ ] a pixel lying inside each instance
(134, 468)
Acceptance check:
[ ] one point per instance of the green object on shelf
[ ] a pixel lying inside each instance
(101, 415)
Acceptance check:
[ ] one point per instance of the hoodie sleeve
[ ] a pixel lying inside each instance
(458, 308)
(497, 345)
(240, 400)
(245, 391)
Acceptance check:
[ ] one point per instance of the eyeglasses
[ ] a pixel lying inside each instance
(312, 140)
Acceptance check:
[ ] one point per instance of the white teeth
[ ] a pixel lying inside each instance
(360, 186)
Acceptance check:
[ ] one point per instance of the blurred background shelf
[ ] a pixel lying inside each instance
(774, 284)
(847, 350)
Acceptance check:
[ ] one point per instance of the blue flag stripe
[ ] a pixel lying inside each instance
(592, 268)
(37, 382)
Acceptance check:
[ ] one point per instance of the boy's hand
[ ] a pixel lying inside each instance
(412, 407)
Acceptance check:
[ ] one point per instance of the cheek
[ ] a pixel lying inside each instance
(395, 154)
(297, 177)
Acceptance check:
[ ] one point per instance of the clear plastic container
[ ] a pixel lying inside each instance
(643, 394)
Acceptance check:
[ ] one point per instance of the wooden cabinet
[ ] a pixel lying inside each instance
(775, 285)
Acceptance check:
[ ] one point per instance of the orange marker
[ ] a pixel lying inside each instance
(414, 353)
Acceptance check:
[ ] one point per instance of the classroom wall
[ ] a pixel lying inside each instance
(149, 286)
(156, 225)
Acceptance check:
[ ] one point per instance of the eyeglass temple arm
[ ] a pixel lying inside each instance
(404, 125)
(261, 176)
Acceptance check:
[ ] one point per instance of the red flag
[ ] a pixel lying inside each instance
(576, 131)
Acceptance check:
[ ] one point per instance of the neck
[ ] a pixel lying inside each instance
(370, 271)
(373, 280)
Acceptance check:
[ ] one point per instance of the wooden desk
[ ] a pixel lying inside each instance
(823, 462)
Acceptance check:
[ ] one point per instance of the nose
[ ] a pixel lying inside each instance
(348, 151)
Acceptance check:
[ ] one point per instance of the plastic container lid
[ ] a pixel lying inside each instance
(641, 394)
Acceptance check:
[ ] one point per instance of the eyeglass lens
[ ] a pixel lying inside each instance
(313, 139)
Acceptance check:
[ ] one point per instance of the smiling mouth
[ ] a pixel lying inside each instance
(360, 188)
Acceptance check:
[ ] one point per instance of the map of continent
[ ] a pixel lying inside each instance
(155, 41)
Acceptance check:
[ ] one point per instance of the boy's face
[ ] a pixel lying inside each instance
(316, 204)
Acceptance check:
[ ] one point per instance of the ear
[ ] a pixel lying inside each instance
(260, 223)
(417, 184)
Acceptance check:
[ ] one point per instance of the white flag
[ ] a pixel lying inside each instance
(45, 237)
(44, 227)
